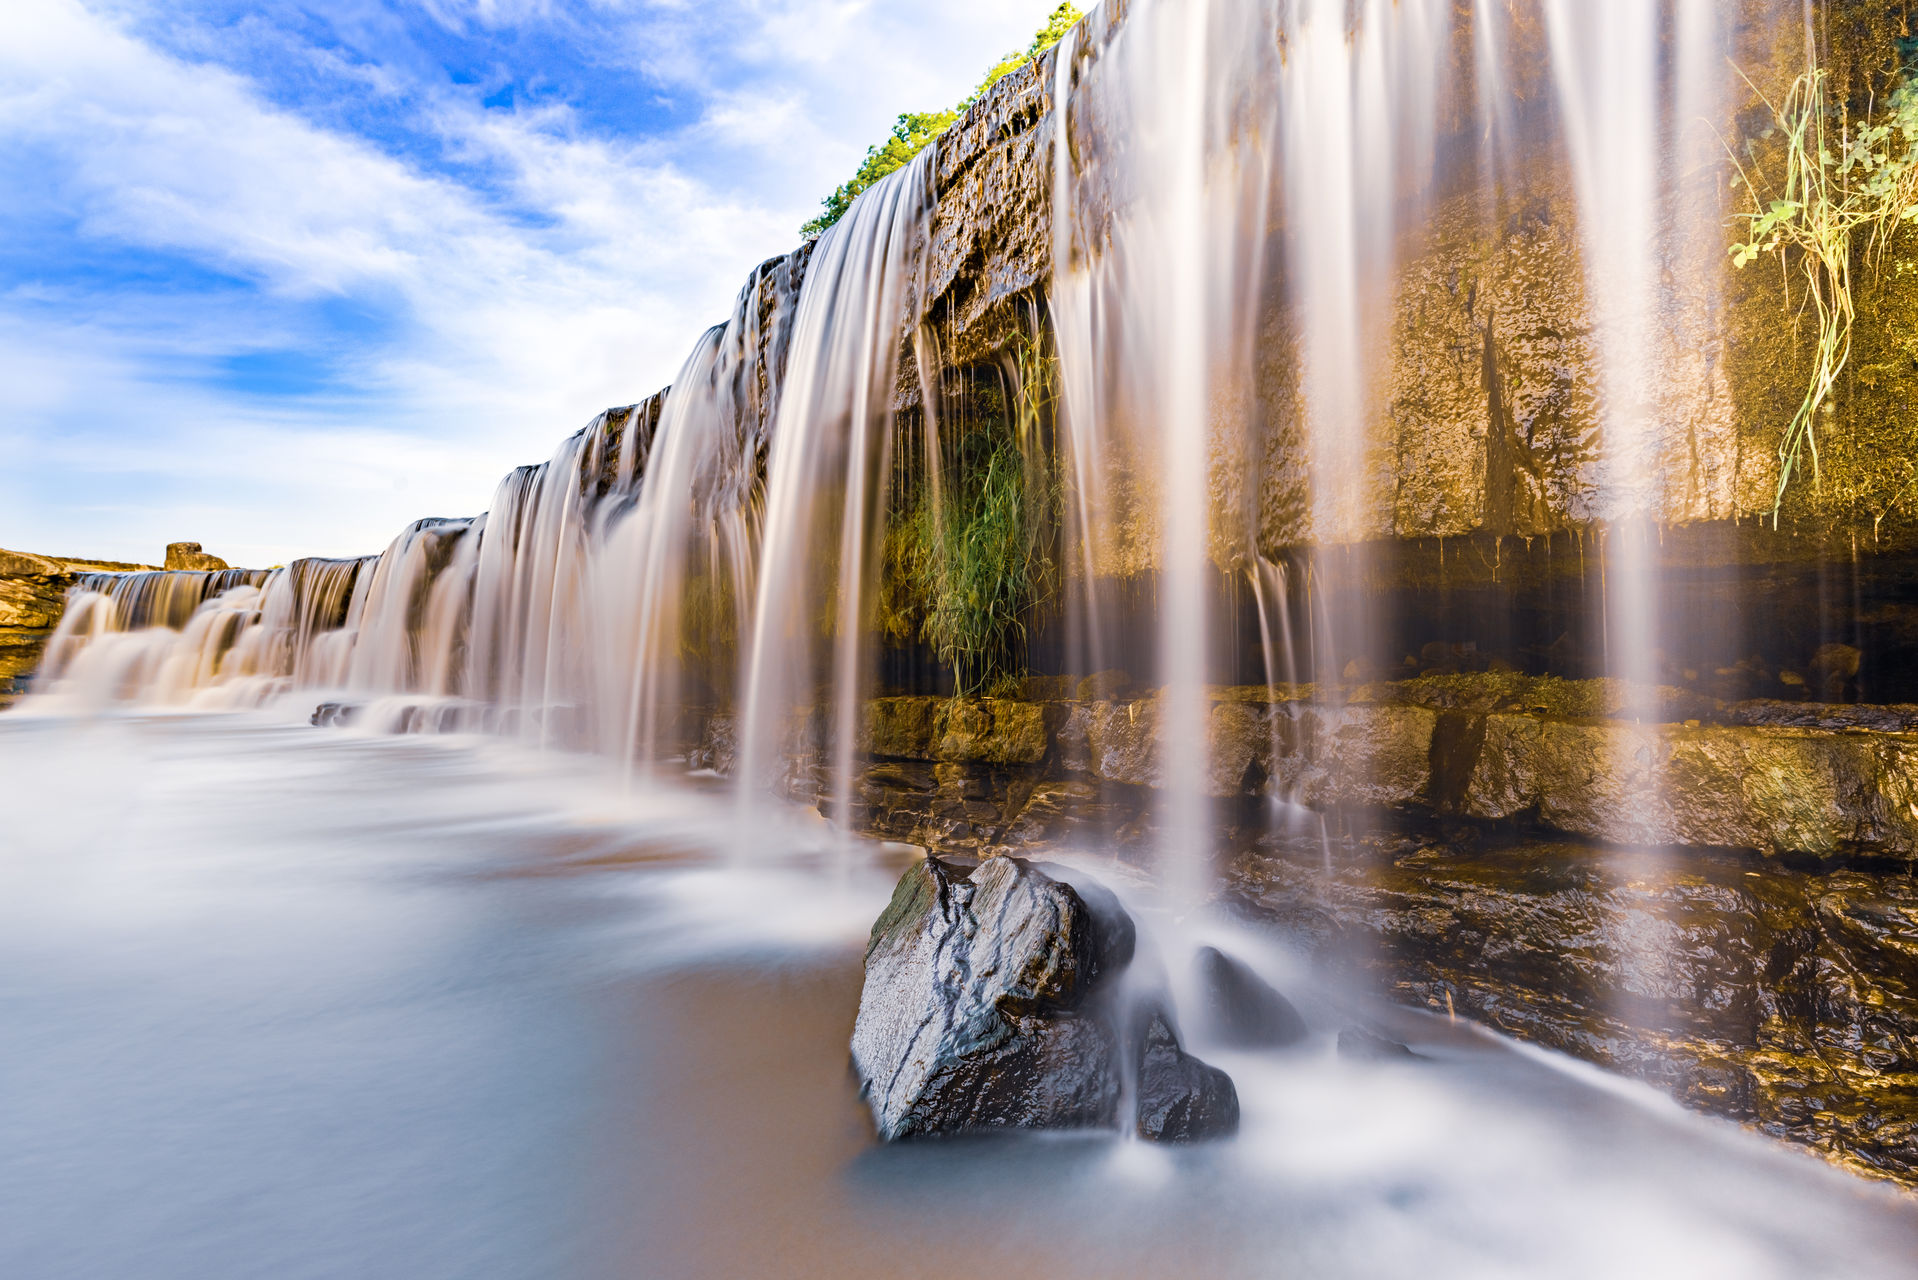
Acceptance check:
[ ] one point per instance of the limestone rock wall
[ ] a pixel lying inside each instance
(33, 595)
(985, 775)
(1488, 396)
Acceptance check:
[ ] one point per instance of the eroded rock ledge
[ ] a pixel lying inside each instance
(33, 595)
(1736, 921)
(1783, 998)
(1780, 779)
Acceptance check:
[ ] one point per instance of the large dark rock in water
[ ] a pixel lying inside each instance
(1182, 1099)
(985, 1007)
(974, 1013)
(1240, 1008)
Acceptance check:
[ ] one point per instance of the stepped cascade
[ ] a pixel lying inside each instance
(1237, 199)
(1250, 418)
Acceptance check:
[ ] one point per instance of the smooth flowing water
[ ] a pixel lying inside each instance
(304, 1004)
(1236, 187)
(526, 998)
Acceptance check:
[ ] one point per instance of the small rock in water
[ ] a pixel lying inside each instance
(1356, 1042)
(1241, 1008)
(1182, 1099)
(333, 715)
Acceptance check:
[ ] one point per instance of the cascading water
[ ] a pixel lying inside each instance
(1253, 320)
(825, 476)
(1151, 308)
(1237, 189)
(1239, 121)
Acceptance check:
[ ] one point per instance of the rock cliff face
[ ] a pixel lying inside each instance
(1488, 397)
(33, 595)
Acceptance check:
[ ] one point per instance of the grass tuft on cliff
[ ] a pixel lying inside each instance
(914, 129)
(970, 554)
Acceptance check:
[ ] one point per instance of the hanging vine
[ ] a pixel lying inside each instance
(1841, 182)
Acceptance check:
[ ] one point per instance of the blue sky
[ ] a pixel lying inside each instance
(281, 276)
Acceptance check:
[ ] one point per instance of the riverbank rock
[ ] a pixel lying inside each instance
(33, 595)
(975, 1011)
(1782, 997)
(986, 1006)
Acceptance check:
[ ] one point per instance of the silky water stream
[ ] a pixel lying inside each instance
(297, 1004)
(529, 996)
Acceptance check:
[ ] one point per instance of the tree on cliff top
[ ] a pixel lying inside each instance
(915, 129)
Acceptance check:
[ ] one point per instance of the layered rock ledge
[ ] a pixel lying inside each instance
(33, 596)
(1535, 752)
(1783, 998)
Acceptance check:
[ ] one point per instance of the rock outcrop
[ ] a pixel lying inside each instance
(988, 775)
(1783, 998)
(191, 557)
(1238, 1007)
(986, 1006)
(33, 596)
(1181, 1099)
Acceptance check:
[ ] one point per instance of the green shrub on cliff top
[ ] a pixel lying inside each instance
(913, 130)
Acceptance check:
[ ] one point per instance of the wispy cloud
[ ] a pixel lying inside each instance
(281, 280)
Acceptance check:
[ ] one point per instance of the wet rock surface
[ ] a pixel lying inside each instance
(1783, 998)
(334, 715)
(977, 1009)
(1180, 1098)
(1365, 1046)
(987, 1006)
(990, 775)
(1240, 1008)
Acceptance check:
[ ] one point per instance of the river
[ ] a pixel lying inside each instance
(299, 1003)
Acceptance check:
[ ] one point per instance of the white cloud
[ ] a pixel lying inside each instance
(576, 277)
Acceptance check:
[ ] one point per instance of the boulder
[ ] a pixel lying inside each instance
(975, 1013)
(986, 1007)
(1240, 1008)
(191, 557)
(1181, 1099)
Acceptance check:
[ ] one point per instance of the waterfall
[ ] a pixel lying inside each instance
(825, 478)
(1240, 193)
(1153, 294)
